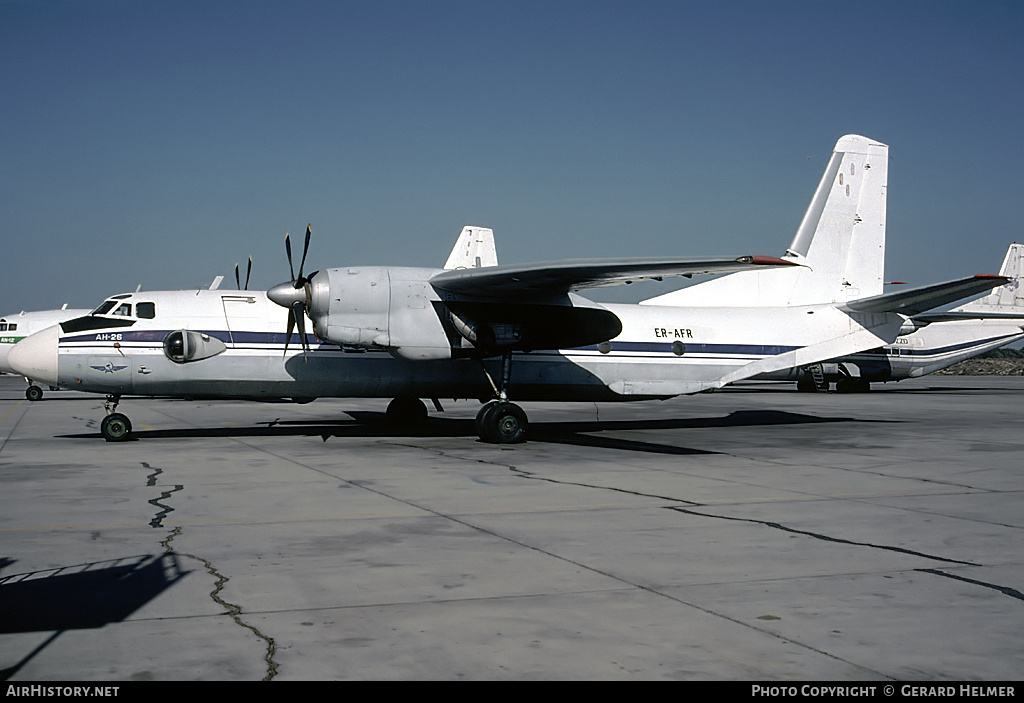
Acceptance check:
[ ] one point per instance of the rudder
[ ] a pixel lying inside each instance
(473, 249)
(840, 242)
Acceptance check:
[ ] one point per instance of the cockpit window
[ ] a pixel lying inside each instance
(8, 327)
(124, 310)
(146, 311)
(104, 307)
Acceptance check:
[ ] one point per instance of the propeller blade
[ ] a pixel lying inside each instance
(288, 250)
(296, 311)
(291, 324)
(247, 272)
(237, 281)
(305, 247)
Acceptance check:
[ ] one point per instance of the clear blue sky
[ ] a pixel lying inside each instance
(158, 143)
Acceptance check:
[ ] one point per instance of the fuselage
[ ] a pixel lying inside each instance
(125, 347)
(238, 348)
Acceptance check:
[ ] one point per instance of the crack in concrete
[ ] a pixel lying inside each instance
(158, 519)
(234, 611)
(823, 537)
(534, 477)
(1005, 590)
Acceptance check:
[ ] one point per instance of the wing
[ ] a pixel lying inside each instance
(557, 277)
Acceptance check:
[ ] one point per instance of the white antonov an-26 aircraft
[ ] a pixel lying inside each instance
(473, 330)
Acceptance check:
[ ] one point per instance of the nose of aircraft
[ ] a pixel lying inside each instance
(35, 357)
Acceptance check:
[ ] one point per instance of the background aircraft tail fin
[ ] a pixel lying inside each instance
(473, 249)
(1008, 298)
(840, 242)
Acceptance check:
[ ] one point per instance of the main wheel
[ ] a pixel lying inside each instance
(478, 424)
(853, 385)
(34, 393)
(116, 427)
(502, 422)
(406, 412)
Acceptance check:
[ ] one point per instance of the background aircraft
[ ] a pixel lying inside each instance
(931, 342)
(501, 332)
(14, 328)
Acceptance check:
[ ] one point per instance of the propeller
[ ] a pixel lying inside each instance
(294, 294)
(248, 271)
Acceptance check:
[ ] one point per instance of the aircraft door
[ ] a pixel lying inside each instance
(245, 317)
(247, 320)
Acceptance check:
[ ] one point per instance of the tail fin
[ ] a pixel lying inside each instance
(840, 242)
(1008, 298)
(473, 249)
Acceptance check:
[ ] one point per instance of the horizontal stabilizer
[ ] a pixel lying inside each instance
(559, 277)
(955, 315)
(918, 300)
(1005, 301)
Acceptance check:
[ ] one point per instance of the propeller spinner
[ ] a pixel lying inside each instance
(294, 294)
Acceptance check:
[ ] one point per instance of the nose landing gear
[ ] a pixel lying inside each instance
(115, 427)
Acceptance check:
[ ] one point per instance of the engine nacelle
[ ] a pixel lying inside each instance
(379, 306)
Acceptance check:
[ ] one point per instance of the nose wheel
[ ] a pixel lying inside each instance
(34, 392)
(115, 427)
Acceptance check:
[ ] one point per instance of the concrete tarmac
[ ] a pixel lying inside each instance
(756, 533)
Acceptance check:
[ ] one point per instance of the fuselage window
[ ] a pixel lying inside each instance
(104, 307)
(145, 311)
(8, 326)
(3, 326)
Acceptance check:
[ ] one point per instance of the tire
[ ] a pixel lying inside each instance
(116, 427)
(480, 415)
(406, 412)
(853, 385)
(503, 423)
(34, 393)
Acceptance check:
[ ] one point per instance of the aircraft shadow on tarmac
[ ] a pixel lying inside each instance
(372, 424)
(84, 596)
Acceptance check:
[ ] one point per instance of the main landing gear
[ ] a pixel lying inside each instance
(116, 427)
(406, 412)
(499, 421)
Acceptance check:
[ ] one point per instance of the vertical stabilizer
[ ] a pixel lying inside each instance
(840, 242)
(473, 249)
(1008, 297)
